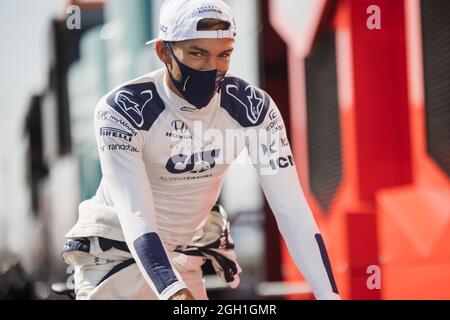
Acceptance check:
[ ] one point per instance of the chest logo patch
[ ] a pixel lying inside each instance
(133, 105)
(195, 163)
(252, 100)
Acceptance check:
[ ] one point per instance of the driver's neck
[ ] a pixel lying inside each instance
(170, 84)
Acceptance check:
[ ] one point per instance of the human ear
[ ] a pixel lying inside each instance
(163, 53)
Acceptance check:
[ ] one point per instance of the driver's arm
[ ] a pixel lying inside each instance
(275, 165)
(125, 178)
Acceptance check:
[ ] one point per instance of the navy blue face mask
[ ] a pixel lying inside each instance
(197, 87)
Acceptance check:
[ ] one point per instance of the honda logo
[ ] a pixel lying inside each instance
(179, 126)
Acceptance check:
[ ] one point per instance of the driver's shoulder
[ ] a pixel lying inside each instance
(245, 103)
(137, 101)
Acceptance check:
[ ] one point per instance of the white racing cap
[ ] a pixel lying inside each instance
(178, 20)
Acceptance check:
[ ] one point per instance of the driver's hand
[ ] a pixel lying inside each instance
(183, 294)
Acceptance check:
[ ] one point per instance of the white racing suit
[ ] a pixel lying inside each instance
(163, 163)
(106, 270)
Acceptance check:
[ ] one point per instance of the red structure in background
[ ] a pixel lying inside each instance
(392, 206)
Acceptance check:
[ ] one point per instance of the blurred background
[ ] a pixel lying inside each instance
(364, 89)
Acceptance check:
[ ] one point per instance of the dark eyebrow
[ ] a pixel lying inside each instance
(228, 51)
(194, 47)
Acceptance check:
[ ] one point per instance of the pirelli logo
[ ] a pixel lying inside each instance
(117, 133)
